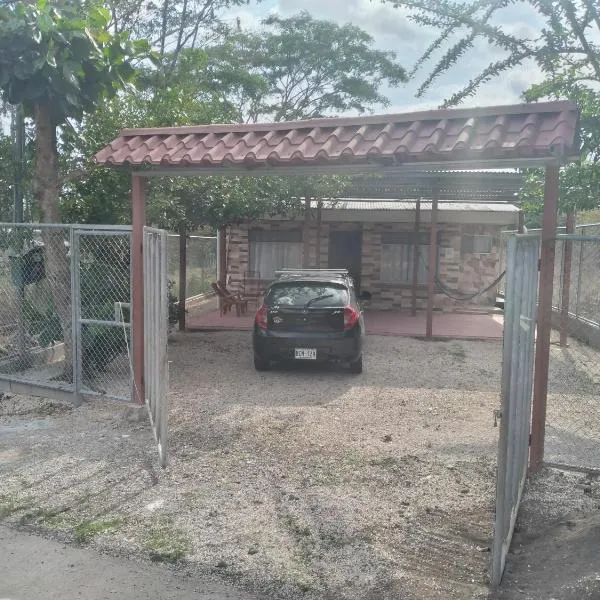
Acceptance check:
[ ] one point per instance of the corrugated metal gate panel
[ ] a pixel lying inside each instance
(517, 384)
(156, 315)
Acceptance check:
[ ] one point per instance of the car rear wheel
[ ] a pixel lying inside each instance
(356, 366)
(260, 364)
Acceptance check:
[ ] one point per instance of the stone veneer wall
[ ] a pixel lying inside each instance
(465, 273)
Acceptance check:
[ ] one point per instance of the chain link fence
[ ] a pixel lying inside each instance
(201, 253)
(36, 329)
(573, 414)
(65, 310)
(102, 284)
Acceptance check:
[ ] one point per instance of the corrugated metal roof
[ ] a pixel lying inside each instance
(410, 205)
(538, 130)
(469, 186)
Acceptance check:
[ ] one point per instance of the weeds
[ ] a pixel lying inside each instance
(86, 530)
(165, 544)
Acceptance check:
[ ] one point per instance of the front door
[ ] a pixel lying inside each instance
(345, 252)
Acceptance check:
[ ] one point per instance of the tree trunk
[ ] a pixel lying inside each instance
(46, 188)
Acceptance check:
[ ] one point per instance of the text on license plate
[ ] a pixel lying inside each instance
(305, 353)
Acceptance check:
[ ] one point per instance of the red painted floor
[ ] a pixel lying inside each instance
(445, 325)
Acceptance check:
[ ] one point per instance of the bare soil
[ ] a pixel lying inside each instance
(299, 483)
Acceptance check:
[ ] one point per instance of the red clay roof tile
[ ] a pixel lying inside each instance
(525, 130)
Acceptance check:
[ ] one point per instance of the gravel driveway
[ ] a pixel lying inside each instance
(303, 483)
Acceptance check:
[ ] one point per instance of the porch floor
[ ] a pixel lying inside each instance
(378, 322)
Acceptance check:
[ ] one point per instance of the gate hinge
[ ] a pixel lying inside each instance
(539, 264)
(497, 415)
(529, 440)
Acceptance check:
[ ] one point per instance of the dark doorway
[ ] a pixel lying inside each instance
(345, 252)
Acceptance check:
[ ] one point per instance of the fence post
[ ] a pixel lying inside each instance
(182, 273)
(544, 320)
(579, 278)
(416, 248)
(138, 219)
(566, 280)
(76, 340)
(432, 262)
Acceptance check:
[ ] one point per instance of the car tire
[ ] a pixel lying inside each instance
(356, 366)
(260, 364)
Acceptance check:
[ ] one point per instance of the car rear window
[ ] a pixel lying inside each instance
(299, 294)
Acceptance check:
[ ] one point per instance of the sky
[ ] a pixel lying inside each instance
(392, 31)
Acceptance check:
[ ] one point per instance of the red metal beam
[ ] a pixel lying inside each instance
(544, 320)
(138, 221)
(432, 266)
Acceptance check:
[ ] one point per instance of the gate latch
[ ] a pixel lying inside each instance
(497, 415)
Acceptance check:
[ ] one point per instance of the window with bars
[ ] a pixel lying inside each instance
(270, 251)
(397, 257)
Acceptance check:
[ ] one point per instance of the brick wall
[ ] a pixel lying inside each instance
(465, 273)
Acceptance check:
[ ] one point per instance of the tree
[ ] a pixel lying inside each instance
(212, 85)
(59, 65)
(565, 41)
(301, 67)
(170, 26)
(579, 182)
(566, 50)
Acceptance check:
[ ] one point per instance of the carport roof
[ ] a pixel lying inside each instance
(523, 134)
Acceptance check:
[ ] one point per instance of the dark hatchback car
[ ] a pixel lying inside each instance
(309, 316)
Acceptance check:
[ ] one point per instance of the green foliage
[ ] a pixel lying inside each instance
(301, 67)
(565, 48)
(86, 530)
(63, 59)
(566, 38)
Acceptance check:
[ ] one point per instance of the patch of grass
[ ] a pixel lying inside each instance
(43, 516)
(166, 544)
(88, 529)
(9, 505)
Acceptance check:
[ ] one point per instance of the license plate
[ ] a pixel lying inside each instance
(305, 353)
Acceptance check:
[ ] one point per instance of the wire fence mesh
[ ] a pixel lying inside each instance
(104, 292)
(573, 409)
(35, 305)
(201, 263)
(65, 310)
(573, 413)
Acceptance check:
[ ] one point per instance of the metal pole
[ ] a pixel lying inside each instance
(138, 221)
(432, 263)
(521, 226)
(19, 157)
(566, 280)
(306, 235)
(76, 338)
(318, 240)
(222, 259)
(544, 320)
(415, 275)
(182, 273)
(579, 279)
(18, 147)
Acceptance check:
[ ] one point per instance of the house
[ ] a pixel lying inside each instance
(376, 239)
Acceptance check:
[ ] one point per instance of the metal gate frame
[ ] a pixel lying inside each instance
(156, 317)
(77, 231)
(517, 388)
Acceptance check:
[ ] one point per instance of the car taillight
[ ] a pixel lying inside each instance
(261, 317)
(351, 316)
